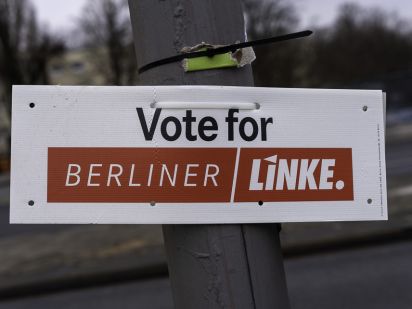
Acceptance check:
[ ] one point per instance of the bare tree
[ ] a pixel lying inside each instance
(24, 47)
(106, 28)
(362, 43)
(363, 48)
(276, 65)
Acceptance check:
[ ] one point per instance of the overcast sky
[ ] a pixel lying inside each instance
(61, 14)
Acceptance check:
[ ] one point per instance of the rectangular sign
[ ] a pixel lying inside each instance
(196, 154)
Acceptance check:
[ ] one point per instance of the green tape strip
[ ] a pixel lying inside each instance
(207, 63)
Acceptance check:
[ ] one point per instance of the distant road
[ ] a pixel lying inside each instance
(7, 229)
(399, 159)
(376, 277)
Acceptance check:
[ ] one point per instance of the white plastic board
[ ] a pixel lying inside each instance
(196, 154)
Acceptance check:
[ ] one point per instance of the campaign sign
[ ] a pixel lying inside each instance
(196, 154)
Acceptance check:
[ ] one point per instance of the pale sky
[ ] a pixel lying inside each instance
(61, 14)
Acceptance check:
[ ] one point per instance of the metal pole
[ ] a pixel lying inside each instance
(210, 266)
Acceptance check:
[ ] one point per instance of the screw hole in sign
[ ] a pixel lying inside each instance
(369, 201)
(260, 203)
(152, 203)
(365, 108)
(31, 203)
(32, 105)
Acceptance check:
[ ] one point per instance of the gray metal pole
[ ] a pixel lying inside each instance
(210, 266)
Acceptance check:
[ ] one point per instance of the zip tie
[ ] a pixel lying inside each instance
(210, 52)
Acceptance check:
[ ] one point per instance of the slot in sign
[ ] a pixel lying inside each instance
(196, 154)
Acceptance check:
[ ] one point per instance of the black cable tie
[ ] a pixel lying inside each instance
(210, 52)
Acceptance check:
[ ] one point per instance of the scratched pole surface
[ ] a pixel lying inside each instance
(210, 266)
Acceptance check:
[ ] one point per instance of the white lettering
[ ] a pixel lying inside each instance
(91, 174)
(75, 174)
(285, 174)
(212, 176)
(131, 184)
(165, 170)
(115, 176)
(254, 184)
(188, 174)
(326, 173)
(306, 174)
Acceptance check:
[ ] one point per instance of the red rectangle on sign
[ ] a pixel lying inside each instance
(137, 175)
(294, 174)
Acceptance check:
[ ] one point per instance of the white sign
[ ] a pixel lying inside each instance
(196, 154)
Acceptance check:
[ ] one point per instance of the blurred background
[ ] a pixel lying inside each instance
(362, 45)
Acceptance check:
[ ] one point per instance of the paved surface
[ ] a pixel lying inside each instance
(153, 294)
(377, 277)
(7, 229)
(399, 159)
